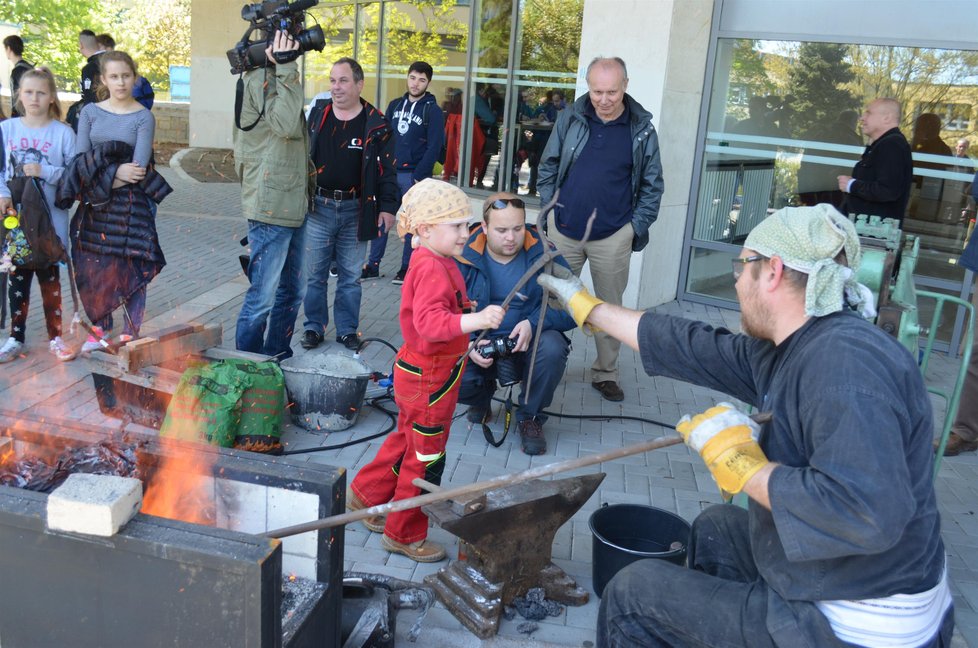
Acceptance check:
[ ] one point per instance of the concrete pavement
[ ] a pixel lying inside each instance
(200, 226)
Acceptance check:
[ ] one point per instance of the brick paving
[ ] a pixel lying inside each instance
(200, 227)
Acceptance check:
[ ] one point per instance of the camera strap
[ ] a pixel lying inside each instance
(239, 103)
(508, 419)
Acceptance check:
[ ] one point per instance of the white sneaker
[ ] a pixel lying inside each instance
(60, 350)
(10, 350)
(92, 344)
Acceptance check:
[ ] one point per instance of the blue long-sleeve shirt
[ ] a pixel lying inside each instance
(417, 148)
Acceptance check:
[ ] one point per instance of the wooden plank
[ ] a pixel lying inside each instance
(135, 357)
(164, 380)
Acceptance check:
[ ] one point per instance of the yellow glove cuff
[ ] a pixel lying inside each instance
(580, 306)
(733, 457)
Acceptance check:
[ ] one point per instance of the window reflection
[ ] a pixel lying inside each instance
(783, 124)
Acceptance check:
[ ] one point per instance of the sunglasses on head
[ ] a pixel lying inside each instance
(503, 203)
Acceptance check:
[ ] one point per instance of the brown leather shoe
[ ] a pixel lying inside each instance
(373, 523)
(956, 445)
(423, 551)
(532, 440)
(610, 390)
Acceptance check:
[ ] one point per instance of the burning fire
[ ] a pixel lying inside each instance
(181, 486)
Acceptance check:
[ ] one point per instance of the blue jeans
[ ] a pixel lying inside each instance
(379, 245)
(275, 273)
(331, 231)
(720, 600)
(478, 384)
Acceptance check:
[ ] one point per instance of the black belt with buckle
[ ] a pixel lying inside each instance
(335, 194)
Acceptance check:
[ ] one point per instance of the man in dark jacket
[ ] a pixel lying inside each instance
(841, 543)
(496, 257)
(603, 154)
(13, 45)
(419, 133)
(352, 147)
(89, 48)
(880, 181)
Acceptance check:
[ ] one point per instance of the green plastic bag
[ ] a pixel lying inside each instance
(262, 405)
(206, 406)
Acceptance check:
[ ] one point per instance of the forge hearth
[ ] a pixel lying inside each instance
(161, 582)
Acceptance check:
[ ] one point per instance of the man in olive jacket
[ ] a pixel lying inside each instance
(270, 153)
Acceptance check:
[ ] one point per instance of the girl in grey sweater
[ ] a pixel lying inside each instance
(119, 117)
(36, 145)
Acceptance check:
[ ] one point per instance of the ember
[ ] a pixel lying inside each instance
(111, 457)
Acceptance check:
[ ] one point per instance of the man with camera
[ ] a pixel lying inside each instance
(497, 255)
(271, 156)
(352, 147)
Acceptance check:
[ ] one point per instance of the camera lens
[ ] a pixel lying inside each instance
(311, 39)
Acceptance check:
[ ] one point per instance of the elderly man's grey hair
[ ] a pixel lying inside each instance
(604, 61)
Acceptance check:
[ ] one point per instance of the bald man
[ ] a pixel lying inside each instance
(603, 154)
(880, 181)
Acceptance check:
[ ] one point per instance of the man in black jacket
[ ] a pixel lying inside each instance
(352, 147)
(14, 48)
(880, 181)
(88, 46)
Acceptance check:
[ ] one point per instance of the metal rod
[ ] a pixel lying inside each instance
(478, 487)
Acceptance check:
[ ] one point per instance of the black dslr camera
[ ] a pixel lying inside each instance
(507, 367)
(266, 18)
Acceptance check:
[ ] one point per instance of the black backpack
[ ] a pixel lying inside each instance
(34, 237)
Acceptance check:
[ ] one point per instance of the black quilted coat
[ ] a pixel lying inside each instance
(114, 244)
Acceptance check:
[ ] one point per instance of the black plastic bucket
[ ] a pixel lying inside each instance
(325, 390)
(624, 533)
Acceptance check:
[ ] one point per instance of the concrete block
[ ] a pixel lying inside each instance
(94, 504)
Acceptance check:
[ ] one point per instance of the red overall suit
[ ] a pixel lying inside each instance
(426, 382)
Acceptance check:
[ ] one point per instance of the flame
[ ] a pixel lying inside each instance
(181, 486)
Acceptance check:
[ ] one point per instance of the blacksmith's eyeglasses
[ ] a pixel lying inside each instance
(738, 264)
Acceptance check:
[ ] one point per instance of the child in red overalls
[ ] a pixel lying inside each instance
(435, 324)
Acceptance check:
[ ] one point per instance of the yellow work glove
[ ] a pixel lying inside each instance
(573, 296)
(727, 441)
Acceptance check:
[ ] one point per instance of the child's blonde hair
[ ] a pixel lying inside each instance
(44, 74)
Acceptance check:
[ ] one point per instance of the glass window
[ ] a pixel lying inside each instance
(548, 49)
(783, 124)
(338, 27)
(508, 89)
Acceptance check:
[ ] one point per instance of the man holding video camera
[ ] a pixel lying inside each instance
(272, 160)
(498, 253)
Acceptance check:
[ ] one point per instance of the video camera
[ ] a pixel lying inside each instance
(266, 18)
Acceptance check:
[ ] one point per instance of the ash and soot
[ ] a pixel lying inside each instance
(175, 486)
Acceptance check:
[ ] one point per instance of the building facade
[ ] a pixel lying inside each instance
(754, 102)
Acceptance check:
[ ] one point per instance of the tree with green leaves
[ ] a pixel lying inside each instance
(156, 33)
(551, 35)
(817, 85)
(50, 32)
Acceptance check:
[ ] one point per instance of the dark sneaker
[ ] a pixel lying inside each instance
(370, 271)
(311, 339)
(373, 523)
(351, 341)
(333, 272)
(399, 277)
(424, 551)
(610, 390)
(956, 445)
(476, 414)
(531, 437)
